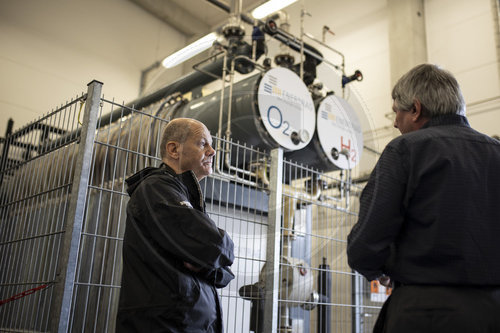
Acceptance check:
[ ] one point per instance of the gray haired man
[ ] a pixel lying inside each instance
(429, 220)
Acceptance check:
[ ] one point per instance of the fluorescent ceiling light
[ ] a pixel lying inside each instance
(190, 51)
(270, 7)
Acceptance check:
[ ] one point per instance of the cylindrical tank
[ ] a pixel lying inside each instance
(338, 140)
(268, 110)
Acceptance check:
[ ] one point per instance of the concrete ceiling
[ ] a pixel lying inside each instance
(191, 17)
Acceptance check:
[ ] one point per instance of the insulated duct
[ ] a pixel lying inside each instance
(207, 74)
(268, 110)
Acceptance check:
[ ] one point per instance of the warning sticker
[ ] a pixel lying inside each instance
(378, 293)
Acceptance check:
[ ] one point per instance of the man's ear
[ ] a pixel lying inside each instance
(173, 149)
(416, 112)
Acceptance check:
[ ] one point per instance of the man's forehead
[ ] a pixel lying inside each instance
(202, 132)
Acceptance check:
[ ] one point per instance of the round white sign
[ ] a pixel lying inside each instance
(339, 132)
(286, 108)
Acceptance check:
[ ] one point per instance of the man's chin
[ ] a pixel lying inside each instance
(203, 173)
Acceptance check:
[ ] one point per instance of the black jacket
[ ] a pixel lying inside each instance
(167, 227)
(430, 212)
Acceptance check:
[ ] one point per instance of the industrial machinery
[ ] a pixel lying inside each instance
(303, 104)
(314, 118)
(266, 110)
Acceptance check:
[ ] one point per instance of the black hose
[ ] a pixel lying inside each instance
(325, 291)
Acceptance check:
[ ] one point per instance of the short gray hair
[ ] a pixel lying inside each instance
(436, 89)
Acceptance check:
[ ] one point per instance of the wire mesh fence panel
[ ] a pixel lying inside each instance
(238, 202)
(305, 217)
(36, 185)
(121, 148)
(318, 292)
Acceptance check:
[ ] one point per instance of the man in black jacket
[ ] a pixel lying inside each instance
(174, 256)
(429, 216)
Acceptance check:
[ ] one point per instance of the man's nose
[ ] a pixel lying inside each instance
(211, 151)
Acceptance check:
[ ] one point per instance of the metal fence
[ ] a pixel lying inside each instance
(62, 220)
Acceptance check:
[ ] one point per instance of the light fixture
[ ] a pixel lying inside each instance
(189, 51)
(270, 7)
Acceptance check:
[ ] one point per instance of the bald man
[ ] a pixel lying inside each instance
(174, 256)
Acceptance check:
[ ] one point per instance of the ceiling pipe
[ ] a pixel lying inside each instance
(235, 9)
(277, 33)
(182, 85)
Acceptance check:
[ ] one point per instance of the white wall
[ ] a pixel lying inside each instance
(461, 38)
(51, 49)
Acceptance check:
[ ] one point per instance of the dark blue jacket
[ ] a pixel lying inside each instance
(430, 213)
(167, 227)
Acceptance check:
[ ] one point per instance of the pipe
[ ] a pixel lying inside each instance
(230, 97)
(227, 163)
(271, 28)
(229, 106)
(276, 33)
(227, 159)
(227, 9)
(325, 291)
(342, 67)
(300, 195)
(182, 85)
(290, 191)
(235, 10)
(302, 14)
(221, 108)
(219, 171)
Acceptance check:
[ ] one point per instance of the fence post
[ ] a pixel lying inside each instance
(66, 268)
(272, 270)
(356, 292)
(5, 150)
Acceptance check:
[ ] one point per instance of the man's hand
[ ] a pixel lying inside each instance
(192, 268)
(385, 281)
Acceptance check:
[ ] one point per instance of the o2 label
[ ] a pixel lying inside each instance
(286, 107)
(286, 124)
(271, 121)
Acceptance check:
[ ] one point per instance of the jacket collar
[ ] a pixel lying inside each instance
(449, 119)
(168, 169)
(188, 178)
(134, 180)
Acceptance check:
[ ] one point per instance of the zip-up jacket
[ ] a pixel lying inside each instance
(168, 231)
